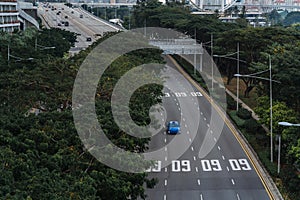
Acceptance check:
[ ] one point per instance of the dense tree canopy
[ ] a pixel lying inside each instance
(41, 154)
(152, 14)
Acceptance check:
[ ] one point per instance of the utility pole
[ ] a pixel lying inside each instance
(212, 62)
(238, 78)
(195, 55)
(271, 107)
(8, 55)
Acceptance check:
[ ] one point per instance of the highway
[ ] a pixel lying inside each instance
(88, 26)
(225, 173)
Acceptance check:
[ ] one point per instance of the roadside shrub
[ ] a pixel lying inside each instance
(252, 125)
(238, 121)
(231, 104)
(243, 113)
(264, 156)
(290, 178)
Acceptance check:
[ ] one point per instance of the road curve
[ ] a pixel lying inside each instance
(227, 172)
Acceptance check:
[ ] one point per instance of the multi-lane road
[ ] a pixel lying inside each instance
(79, 21)
(226, 172)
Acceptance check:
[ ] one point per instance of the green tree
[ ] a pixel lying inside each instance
(291, 18)
(41, 154)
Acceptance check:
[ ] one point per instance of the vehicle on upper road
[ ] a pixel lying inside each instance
(173, 127)
(66, 23)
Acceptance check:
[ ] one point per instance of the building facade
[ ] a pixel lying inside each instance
(9, 16)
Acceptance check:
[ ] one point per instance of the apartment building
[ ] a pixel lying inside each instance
(9, 16)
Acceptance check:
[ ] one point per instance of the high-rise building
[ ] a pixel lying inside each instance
(9, 20)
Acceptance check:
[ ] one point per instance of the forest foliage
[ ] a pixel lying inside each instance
(42, 156)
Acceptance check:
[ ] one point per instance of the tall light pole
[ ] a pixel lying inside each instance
(195, 56)
(238, 70)
(15, 57)
(129, 17)
(212, 62)
(279, 142)
(271, 108)
(238, 78)
(8, 53)
(271, 113)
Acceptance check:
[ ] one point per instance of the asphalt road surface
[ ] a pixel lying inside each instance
(225, 173)
(89, 26)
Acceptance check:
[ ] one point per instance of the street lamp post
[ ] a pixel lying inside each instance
(271, 107)
(129, 18)
(271, 113)
(238, 70)
(238, 79)
(36, 45)
(15, 57)
(212, 62)
(279, 142)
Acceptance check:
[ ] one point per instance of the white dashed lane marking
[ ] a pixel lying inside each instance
(232, 181)
(165, 197)
(223, 157)
(237, 196)
(192, 148)
(219, 148)
(199, 183)
(194, 157)
(166, 169)
(196, 168)
(166, 182)
(227, 168)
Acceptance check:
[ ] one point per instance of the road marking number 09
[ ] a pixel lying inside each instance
(240, 164)
(235, 164)
(207, 165)
(211, 165)
(176, 166)
(183, 165)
